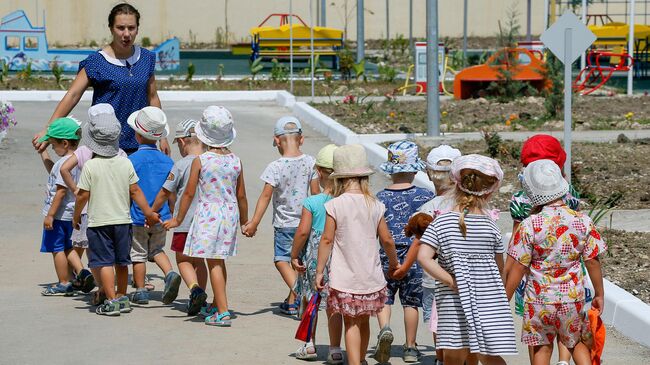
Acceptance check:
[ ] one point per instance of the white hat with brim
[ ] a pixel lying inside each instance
(442, 153)
(483, 164)
(350, 161)
(102, 133)
(543, 182)
(150, 122)
(216, 128)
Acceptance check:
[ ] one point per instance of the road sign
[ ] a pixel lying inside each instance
(581, 37)
(567, 38)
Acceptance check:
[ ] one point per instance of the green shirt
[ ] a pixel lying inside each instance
(108, 180)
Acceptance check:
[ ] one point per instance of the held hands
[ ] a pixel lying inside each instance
(249, 229)
(40, 146)
(172, 223)
(152, 219)
(76, 222)
(399, 273)
(48, 223)
(297, 265)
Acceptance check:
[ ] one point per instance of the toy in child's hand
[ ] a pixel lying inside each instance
(417, 225)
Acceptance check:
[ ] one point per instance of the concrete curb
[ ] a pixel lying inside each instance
(165, 95)
(626, 313)
(325, 125)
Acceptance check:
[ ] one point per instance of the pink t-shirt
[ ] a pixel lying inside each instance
(84, 154)
(355, 267)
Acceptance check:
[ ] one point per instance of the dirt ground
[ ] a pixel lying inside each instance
(600, 171)
(626, 263)
(589, 113)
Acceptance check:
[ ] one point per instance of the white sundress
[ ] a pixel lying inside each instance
(213, 233)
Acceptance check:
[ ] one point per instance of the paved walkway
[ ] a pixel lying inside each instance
(57, 330)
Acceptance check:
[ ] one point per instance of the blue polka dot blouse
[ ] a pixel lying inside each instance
(123, 84)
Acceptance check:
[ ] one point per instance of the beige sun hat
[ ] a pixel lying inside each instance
(350, 161)
(325, 157)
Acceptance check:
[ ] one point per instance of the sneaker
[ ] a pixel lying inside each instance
(86, 281)
(208, 310)
(125, 304)
(335, 356)
(411, 354)
(109, 308)
(141, 296)
(307, 352)
(59, 290)
(172, 283)
(290, 309)
(197, 300)
(382, 350)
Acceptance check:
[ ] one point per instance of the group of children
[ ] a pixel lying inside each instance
(441, 251)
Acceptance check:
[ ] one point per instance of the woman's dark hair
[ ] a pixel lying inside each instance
(123, 8)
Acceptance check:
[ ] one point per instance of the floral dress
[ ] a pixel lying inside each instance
(213, 233)
(552, 244)
(520, 207)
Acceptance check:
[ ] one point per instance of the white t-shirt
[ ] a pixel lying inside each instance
(434, 207)
(290, 178)
(66, 209)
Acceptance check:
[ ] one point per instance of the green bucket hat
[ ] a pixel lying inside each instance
(61, 128)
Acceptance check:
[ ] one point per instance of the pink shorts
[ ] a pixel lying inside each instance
(543, 322)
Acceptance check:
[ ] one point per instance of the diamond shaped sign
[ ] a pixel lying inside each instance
(581, 37)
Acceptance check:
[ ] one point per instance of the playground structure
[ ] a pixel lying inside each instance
(523, 64)
(276, 41)
(22, 44)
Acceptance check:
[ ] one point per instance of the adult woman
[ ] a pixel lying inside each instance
(121, 74)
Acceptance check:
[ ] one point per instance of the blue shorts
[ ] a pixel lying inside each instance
(428, 294)
(283, 241)
(109, 245)
(58, 238)
(409, 287)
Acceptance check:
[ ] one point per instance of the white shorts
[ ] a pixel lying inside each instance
(79, 238)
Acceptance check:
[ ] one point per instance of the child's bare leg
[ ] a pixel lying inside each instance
(491, 360)
(74, 261)
(581, 354)
(122, 279)
(563, 353)
(107, 274)
(163, 262)
(542, 354)
(411, 319)
(289, 277)
(384, 316)
(439, 353)
(202, 272)
(61, 266)
(79, 251)
(218, 281)
(364, 327)
(472, 359)
(139, 272)
(335, 326)
(186, 269)
(352, 340)
(456, 357)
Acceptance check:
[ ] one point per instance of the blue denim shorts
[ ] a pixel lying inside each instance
(58, 238)
(109, 245)
(427, 299)
(283, 241)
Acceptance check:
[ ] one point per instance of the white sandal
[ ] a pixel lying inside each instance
(304, 352)
(335, 356)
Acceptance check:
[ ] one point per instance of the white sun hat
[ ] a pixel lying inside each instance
(216, 128)
(150, 122)
(543, 182)
(442, 153)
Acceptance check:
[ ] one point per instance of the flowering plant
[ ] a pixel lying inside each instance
(7, 119)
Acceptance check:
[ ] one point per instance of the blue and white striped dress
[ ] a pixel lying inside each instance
(478, 317)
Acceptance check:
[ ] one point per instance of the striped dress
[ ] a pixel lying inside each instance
(479, 316)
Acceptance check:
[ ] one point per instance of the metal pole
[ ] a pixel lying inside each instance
(630, 50)
(291, 46)
(360, 36)
(433, 96)
(311, 45)
(583, 58)
(528, 21)
(568, 93)
(545, 14)
(387, 23)
(465, 34)
(323, 13)
(411, 25)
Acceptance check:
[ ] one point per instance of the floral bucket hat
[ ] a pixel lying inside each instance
(402, 157)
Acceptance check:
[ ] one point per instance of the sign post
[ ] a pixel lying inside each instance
(568, 38)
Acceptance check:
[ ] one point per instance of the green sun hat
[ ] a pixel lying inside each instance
(62, 128)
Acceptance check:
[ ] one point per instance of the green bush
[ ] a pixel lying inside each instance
(146, 42)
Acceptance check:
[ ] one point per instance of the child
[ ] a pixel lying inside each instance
(473, 312)
(288, 181)
(537, 147)
(63, 136)
(222, 205)
(193, 270)
(547, 248)
(152, 167)
(355, 218)
(401, 199)
(304, 259)
(108, 183)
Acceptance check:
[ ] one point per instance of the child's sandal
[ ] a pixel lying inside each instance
(218, 320)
